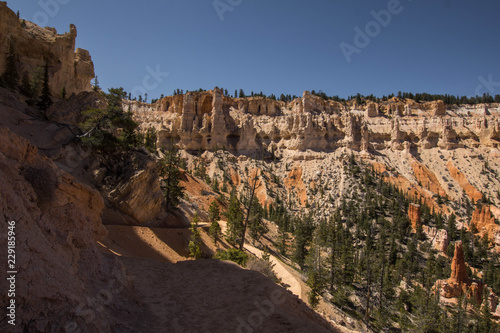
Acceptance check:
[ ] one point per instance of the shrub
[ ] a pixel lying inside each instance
(235, 255)
(43, 180)
(263, 266)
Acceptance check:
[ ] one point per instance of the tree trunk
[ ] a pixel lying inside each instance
(249, 208)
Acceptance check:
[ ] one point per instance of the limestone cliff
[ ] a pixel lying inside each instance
(34, 46)
(206, 120)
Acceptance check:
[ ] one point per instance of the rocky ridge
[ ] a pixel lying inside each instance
(206, 120)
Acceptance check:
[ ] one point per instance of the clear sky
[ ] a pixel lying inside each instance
(285, 46)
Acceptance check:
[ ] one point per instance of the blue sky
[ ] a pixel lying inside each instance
(284, 46)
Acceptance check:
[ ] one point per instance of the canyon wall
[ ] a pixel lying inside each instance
(207, 120)
(33, 47)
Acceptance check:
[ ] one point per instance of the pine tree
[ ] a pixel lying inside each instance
(45, 100)
(102, 126)
(234, 218)
(452, 227)
(10, 78)
(256, 224)
(249, 208)
(96, 86)
(282, 240)
(150, 139)
(214, 216)
(194, 242)
(300, 250)
(314, 282)
(26, 86)
(169, 171)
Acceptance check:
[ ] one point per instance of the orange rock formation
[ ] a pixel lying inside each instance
(485, 224)
(459, 283)
(414, 216)
(470, 190)
(294, 181)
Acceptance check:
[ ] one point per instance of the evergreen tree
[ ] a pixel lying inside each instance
(96, 86)
(169, 171)
(485, 323)
(214, 216)
(150, 139)
(300, 243)
(249, 211)
(195, 239)
(102, 126)
(26, 86)
(256, 224)
(45, 100)
(451, 227)
(10, 78)
(282, 241)
(314, 282)
(234, 216)
(63, 93)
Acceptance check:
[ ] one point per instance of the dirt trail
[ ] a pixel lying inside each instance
(280, 270)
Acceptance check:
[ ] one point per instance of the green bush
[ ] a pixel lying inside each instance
(238, 256)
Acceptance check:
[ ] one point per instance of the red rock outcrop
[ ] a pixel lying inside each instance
(459, 283)
(458, 266)
(473, 193)
(414, 215)
(427, 179)
(294, 182)
(413, 191)
(485, 224)
(482, 217)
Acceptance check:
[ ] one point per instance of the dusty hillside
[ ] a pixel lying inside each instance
(57, 224)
